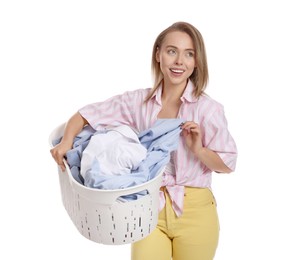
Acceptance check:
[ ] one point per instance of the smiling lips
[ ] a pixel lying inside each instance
(177, 72)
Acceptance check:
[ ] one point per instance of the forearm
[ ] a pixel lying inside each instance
(212, 160)
(73, 126)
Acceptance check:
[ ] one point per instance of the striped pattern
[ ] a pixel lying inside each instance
(184, 169)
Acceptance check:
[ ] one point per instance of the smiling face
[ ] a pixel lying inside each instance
(176, 57)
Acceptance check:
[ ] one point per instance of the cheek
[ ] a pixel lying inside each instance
(191, 66)
(166, 60)
(191, 63)
(191, 70)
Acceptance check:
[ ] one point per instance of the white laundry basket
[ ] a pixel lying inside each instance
(98, 215)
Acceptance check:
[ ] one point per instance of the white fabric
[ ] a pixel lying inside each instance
(118, 152)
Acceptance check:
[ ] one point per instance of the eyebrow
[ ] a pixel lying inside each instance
(172, 46)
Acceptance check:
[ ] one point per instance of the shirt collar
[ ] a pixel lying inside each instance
(187, 94)
(157, 94)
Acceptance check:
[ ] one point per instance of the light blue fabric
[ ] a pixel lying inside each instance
(159, 140)
(73, 156)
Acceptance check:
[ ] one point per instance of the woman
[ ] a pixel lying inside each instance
(188, 226)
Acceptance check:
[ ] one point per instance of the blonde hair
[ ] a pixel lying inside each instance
(200, 76)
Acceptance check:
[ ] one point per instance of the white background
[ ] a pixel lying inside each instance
(56, 56)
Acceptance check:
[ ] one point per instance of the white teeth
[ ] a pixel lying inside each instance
(177, 71)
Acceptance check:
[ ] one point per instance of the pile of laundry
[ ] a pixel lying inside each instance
(118, 157)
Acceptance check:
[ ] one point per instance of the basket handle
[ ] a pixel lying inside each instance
(109, 197)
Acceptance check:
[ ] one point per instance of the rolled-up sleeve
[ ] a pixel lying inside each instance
(218, 138)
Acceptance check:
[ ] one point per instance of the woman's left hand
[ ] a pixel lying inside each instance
(192, 136)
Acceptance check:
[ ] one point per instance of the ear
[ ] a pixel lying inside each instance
(157, 54)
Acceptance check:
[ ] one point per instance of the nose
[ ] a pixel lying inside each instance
(179, 59)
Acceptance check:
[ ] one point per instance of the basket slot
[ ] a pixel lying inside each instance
(132, 196)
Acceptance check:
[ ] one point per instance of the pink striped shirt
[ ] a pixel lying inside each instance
(184, 169)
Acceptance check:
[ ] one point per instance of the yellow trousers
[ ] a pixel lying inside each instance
(193, 236)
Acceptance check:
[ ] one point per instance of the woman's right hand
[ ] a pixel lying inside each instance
(74, 125)
(58, 152)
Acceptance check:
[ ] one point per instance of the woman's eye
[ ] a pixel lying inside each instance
(171, 52)
(190, 54)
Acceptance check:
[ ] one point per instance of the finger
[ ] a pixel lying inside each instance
(195, 130)
(191, 129)
(188, 125)
(58, 158)
(62, 167)
(187, 132)
(60, 163)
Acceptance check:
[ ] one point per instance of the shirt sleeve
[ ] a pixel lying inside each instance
(114, 111)
(218, 138)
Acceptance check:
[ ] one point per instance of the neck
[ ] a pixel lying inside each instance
(172, 92)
